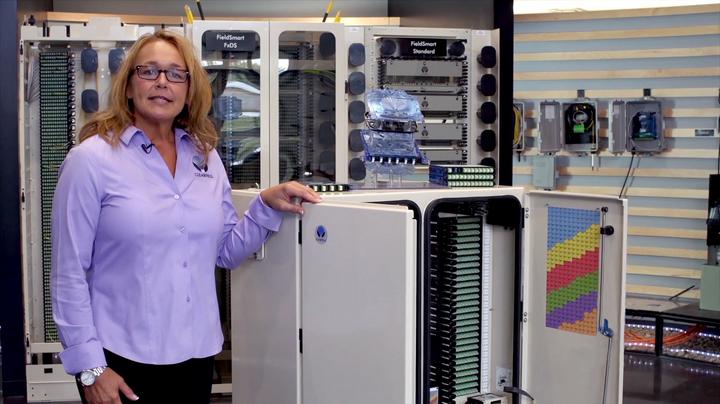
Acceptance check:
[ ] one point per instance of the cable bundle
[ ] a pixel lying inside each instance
(57, 121)
(455, 306)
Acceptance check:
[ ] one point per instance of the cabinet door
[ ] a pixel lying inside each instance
(358, 304)
(308, 127)
(573, 281)
(235, 56)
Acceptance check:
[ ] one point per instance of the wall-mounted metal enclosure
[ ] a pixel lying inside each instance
(551, 126)
(640, 123)
(580, 123)
(519, 128)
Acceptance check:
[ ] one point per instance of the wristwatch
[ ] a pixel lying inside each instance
(87, 377)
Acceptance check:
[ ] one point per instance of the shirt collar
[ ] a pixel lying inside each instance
(130, 132)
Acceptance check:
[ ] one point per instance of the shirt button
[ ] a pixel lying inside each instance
(185, 264)
(182, 229)
(176, 196)
(187, 299)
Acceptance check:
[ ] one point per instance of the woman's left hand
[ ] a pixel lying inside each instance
(282, 197)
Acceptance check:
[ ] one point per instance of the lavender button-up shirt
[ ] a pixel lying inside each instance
(134, 251)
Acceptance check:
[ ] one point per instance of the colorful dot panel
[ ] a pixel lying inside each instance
(573, 262)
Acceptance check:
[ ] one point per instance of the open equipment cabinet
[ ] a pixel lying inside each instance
(387, 295)
(278, 99)
(290, 98)
(65, 73)
(453, 73)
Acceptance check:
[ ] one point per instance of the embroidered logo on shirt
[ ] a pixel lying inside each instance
(201, 166)
(199, 163)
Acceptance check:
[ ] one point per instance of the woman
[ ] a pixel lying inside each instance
(142, 215)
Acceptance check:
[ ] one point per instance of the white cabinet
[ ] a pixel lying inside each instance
(349, 303)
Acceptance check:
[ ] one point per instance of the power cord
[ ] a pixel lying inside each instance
(677, 295)
(609, 333)
(622, 189)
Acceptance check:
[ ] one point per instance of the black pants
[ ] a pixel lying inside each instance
(188, 382)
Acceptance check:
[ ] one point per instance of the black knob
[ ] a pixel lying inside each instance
(387, 47)
(487, 140)
(488, 161)
(487, 57)
(357, 169)
(356, 54)
(356, 83)
(355, 142)
(487, 85)
(327, 44)
(456, 48)
(487, 112)
(356, 112)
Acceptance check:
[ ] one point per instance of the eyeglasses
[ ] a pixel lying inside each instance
(173, 75)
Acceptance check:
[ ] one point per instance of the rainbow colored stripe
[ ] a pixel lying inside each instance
(573, 247)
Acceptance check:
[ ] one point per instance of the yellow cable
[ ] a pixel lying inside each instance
(337, 16)
(327, 10)
(516, 126)
(189, 14)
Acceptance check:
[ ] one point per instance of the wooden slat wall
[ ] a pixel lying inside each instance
(668, 194)
(612, 14)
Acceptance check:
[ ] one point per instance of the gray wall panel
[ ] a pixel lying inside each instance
(679, 144)
(670, 203)
(668, 262)
(665, 222)
(696, 143)
(666, 242)
(618, 24)
(617, 64)
(680, 283)
(697, 102)
(670, 82)
(615, 44)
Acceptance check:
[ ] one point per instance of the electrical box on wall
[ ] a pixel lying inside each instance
(551, 126)
(569, 125)
(543, 172)
(616, 122)
(518, 128)
(640, 124)
(580, 126)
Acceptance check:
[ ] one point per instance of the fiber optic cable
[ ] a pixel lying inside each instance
(327, 10)
(189, 14)
(200, 10)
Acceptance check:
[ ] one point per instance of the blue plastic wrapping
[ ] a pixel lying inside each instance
(393, 110)
(391, 152)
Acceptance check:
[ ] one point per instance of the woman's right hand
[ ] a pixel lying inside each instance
(107, 389)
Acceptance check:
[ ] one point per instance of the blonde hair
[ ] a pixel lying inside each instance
(111, 122)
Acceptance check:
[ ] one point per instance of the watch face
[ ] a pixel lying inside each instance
(87, 378)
